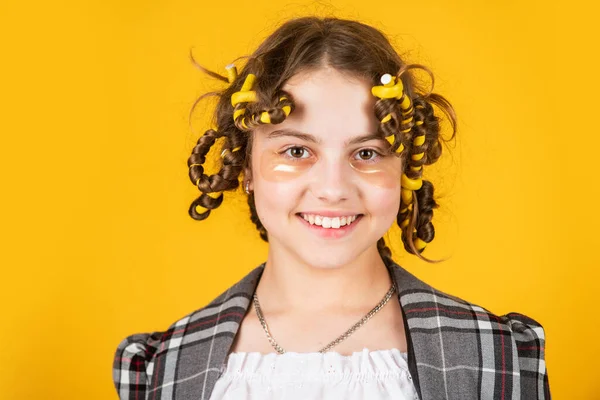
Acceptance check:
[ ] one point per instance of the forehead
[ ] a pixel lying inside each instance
(330, 104)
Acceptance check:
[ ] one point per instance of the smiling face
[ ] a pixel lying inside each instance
(326, 188)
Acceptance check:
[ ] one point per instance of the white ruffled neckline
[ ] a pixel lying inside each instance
(311, 365)
(366, 374)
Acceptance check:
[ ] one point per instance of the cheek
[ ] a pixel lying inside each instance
(274, 204)
(273, 197)
(383, 203)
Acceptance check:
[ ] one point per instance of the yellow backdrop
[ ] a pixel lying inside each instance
(97, 243)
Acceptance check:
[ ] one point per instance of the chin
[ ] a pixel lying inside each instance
(327, 259)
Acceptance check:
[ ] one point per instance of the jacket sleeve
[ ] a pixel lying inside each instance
(132, 365)
(530, 340)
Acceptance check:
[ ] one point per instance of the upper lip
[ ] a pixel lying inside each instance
(331, 214)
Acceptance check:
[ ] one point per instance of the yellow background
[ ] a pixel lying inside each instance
(96, 240)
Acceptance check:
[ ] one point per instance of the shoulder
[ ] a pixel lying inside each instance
(512, 341)
(529, 338)
(136, 355)
(133, 362)
(469, 334)
(527, 333)
(137, 359)
(418, 297)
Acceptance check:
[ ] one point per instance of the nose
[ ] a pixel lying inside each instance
(332, 179)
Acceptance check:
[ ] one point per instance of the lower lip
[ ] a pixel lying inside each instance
(331, 233)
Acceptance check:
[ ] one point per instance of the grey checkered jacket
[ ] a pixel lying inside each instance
(456, 350)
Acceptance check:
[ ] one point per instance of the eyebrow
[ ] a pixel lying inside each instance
(310, 138)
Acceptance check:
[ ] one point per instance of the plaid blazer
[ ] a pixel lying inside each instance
(456, 350)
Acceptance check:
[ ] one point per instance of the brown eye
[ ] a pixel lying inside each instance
(296, 152)
(369, 155)
(366, 154)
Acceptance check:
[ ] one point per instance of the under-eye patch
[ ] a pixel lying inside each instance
(383, 170)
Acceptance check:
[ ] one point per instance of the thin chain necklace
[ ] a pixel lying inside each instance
(360, 323)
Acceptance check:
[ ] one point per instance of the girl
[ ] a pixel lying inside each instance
(329, 133)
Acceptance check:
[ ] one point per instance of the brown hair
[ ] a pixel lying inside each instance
(310, 43)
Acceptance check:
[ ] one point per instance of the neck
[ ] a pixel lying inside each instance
(290, 285)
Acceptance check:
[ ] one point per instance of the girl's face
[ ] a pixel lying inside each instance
(326, 187)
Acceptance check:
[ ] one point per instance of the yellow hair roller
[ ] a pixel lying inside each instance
(391, 140)
(404, 223)
(390, 89)
(286, 109)
(228, 151)
(407, 208)
(239, 112)
(405, 104)
(231, 73)
(265, 118)
(406, 196)
(243, 97)
(419, 140)
(245, 94)
(420, 244)
(248, 83)
(411, 184)
(214, 195)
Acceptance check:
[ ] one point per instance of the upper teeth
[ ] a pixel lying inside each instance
(328, 222)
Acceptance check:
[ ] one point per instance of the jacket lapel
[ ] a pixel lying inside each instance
(446, 345)
(425, 352)
(189, 369)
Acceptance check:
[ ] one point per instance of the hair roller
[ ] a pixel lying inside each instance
(209, 199)
(198, 157)
(394, 110)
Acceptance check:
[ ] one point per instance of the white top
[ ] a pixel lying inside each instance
(372, 375)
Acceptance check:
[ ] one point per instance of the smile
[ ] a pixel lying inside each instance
(329, 222)
(330, 227)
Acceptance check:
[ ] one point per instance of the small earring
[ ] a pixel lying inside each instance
(247, 189)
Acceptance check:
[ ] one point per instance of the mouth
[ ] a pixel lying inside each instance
(330, 227)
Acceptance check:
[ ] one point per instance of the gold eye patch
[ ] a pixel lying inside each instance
(383, 170)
